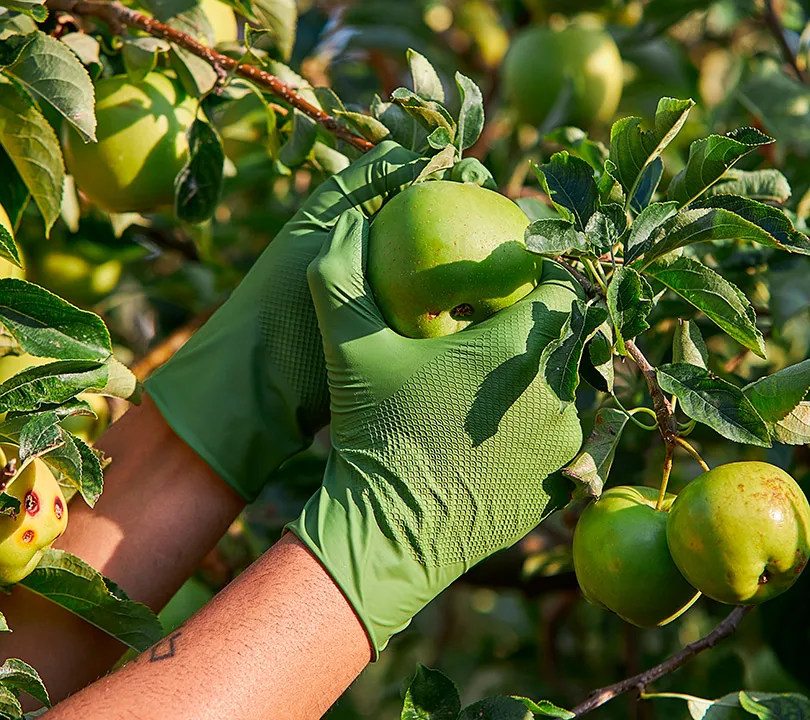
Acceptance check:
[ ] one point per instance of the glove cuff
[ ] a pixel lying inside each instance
(379, 577)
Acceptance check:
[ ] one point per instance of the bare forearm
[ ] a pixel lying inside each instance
(280, 642)
(162, 510)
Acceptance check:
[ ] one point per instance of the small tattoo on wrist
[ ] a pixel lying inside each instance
(164, 649)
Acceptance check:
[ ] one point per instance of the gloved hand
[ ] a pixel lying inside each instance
(443, 447)
(248, 390)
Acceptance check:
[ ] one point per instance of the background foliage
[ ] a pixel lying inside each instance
(516, 624)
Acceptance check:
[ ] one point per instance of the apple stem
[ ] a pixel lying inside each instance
(670, 448)
(694, 453)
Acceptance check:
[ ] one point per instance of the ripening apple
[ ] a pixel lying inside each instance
(444, 255)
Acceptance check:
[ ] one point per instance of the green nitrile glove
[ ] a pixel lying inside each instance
(248, 390)
(443, 447)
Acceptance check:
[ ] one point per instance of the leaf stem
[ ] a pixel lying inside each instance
(118, 18)
(595, 275)
(662, 493)
(635, 410)
(694, 453)
(639, 682)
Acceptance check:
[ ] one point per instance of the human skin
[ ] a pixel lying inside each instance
(284, 613)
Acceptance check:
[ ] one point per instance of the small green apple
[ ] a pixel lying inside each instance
(443, 255)
(622, 561)
(740, 533)
(142, 145)
(541, 61)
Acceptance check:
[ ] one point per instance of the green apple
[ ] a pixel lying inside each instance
(443, 255)
(75, 278)
(222, 20)
(740, 533)
(542, 61)
(141, 144)
(42, 518)
(622, 561)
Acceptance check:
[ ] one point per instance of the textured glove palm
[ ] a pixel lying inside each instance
(443, 448)
(249, 389)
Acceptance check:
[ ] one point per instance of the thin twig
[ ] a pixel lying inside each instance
(580, 277)
(775, 26)
(119, 17)
(667, 424)
(639, 682)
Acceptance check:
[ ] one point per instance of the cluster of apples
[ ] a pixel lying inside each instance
(739, 534)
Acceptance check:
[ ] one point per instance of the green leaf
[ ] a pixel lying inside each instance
(327, 159)
(795, 428)
(703, 224)
(647, 185)
(369, 127)
(610, 189)
(9, 704)
(591, 467)
(471, 170)
(430, 696)
(140, 55)
(72, 584)
(442, 160)
(54, 382)
(14, 195)
(17, 675)
(92, 480)
(428, 113)
(633, 149)
(721, 301)
(709, 158)
(559, 362)
(440, 138)
(402, 127)
(552, 237)
(544, 708)
(31, 143)
(11, 48)
(688, 345)
(629, 301)
(198, 186)
(67, 461)
(40, 435)
(471, 113)
(426, 81)
(3, 624)
(766, 185)
(295, 151)
(661, 14)
(597, 363)
(279, 18)
(569, 184)
(713, 401)
(647, 229)
(49, 69)
(8, 248)
(775, 396)
(32, 8)
(45, 325)
(498, 708)
(195, 74)
(86, 48)
(576, 141)
(784, 706)
(604, 227)
(770, 219)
